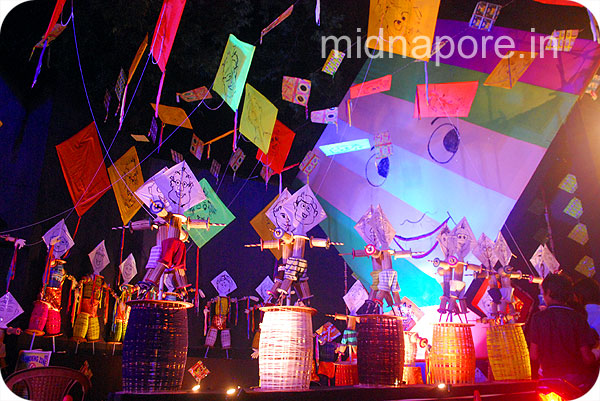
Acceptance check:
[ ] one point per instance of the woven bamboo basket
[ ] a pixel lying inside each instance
(155, 346)
(286, 352)
(452, 357)
(508, 352)
(380, 353)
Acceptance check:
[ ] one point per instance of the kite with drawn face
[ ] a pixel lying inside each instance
(304, 210)
(461, 239)
(181, 187)
(278, 215)
(230, 66)
(59, 234)
(375, 228)
(484, 251)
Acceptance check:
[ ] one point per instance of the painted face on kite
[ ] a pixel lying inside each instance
(181, 185)
(230, 71)
(305, 209)
(206, 210)
(61, 245)
(282, 219)
(224, 285)
(396, 16)
(98, 259)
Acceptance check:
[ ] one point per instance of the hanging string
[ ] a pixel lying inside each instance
(197, 295)
(120, 257)
(73, 238)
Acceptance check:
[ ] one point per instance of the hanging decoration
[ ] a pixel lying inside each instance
(562, 40)
(276, 22)
(194, 95)
(258, 118)
(126, 177)
(60, 238)
(509, 69)
(279, 148)
(452, 99)
(484, 16)
(99, 257)
(370, 87)
(233, 71)
(196, 147)
(333, 62)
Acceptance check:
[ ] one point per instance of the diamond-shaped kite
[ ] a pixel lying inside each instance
(99, 258)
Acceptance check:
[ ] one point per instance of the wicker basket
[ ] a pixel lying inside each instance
(155, 346)
(286, 348)
(508, 352)
(452, 357)
(380, 354)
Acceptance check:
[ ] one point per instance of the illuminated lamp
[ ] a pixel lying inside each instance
(345, 147)
(574, 208)
(550, 397)
(568, 184)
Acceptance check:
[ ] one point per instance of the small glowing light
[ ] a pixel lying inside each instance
(345, 147)
(442, 386)
(230, 391)
(550, 397)
(196, 387)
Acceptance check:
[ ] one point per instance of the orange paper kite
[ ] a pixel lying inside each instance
(508, 71)
(452, 99)
(279, 148)
(173, 115)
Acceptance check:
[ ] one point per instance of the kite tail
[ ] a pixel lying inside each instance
(39, 66)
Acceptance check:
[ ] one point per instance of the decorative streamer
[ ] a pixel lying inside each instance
(318, 13)
(235, 123)
(12, 268)
(197, 295)
(160, 86)
(426, 82)
(120, 257)
(162, 128)
(429, 234)
(38, 69)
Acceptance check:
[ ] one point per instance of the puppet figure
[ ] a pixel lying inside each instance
(121, 313)
(46, 313)
(349, 337)
(89, 296)
(218, 322)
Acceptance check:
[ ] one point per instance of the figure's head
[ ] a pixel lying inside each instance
(557, 289)
(181, 185)
(305, 209)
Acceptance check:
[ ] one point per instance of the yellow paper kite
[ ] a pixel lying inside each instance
(265, 227)
(128, 167)
(258, 118)
(137, 58)
(404, 27)
(508, 71)
(173, 115)
(233, 71)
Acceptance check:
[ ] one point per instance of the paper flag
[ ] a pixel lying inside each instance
(295, 90)
(153, 130)
(181, 187)
(370, 87)
(99, 258)
(82, 163)
(508, 71)
(461, 239)
(194, 95)
(199, 371)
(333, 61)
(65, 242)
(451, 99)
(326, 116)
(278, 215)
(176, 156)
(236, 160)
(120, 85)
(383, 145)
(309, 163)
(279, 148)
(165, 31)
(277, 21)
(233, 71)
(9, 309)
(544, 261)
(196, 147)
(137, 58)
(304, 210)
(54, 33)
(484, 251)
(403, 27)
(264, 287)
(140, 138)
(152, 196)
(502, 250)
(258, 118)
(484, 15)
(126, 176)
(327, 333)
(265, 227)
(215, 168)
(355, 297)
(266, 173)
(213, 209)
(562, 40)
(128, 269)
(173, 116)
(375, 228)
(224, 284)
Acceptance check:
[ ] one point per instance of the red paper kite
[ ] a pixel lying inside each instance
(55, 14)
(83, 167)
(368, 88)
(279, 148)
(452, 99)
(165, 31)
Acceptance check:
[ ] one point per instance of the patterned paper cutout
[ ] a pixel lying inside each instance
(309, 163)
(383, 145)
(264, 287)
(327, 333)
(173, 115)
(126, 176)
(233, 71)
(375, 228)
(120, 85)
(99, 257)
(333, 61)
(585, 267)
(195, 95)
(258, 118)
(562, 40)
(326, 116)
(266, 173)
(54, 33)
(295, 90)
(237, 159)
(544, 261)
(153, 130)
(199, 371)
(196, 147)
(215, 169)
(484, 15)
(176, 156)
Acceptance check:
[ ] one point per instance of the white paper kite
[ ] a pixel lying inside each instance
(461, 239)
(502, 250)
(99, 258)
(375, 228)
(484, 251)
(180, 187)
(151, 195)
(442, 239)
(544, 261)
(304, 210)
(128, 269)
(264, 287)
(65, 242)
(278, 215)
(355, 297)
(224, 283)
(9, 309)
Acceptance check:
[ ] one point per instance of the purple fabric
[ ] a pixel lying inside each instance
(566, 73)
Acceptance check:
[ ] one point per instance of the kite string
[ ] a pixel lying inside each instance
(242, 187)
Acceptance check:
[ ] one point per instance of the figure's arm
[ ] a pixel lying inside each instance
(19, 243)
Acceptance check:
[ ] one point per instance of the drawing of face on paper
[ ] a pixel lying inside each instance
(131, 179)
(9, 309)
(461, 239)
(442, 239)
(502, 251)
(355, 297)
(181, 187)
(395, 17)
(128, 269)
(278, 215)
(375, 228)
(484, 251)
(180, 183)
(224, 284)
(305, 210)
(63, 239)
(264, 287)
(230, 65)
(99, 258)
(258, 118)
